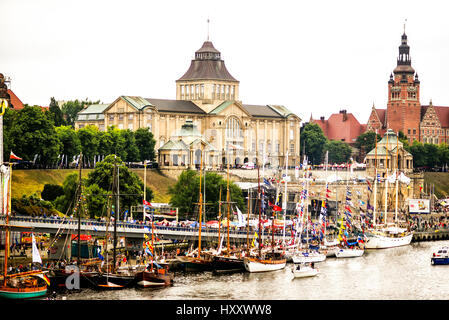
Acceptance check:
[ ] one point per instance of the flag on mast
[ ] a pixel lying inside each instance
(13, 156)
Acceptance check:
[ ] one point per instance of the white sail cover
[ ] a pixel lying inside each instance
(5, 188)
(36, 255)
(403, 178)
(392, 178)
(241, 218)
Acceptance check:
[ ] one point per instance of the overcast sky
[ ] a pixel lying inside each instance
(311, 56)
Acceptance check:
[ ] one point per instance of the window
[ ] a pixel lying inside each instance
(291, 134)
(414, 131)
(130, 126)
(120, 116)
(130, 116)
(292, 148)
(408, 131)
(101, 127)
(120, 126)
(233, 129)
(81, 126)
(111, 117)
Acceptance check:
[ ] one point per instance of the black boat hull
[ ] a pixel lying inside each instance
(227, 264)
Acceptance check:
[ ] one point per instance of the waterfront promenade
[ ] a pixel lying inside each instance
(426, 228)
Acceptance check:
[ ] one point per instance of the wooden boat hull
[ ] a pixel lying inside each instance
(194, 264)
(22, 293)
(115, 281)
(227, 264)
(148, 279)
(58, 279)
(349, 253)
(258, 265)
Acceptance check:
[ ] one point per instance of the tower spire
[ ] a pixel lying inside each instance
(208, 21)
(404, 24)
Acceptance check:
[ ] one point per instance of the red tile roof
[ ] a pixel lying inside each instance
(341, 126)
(15, 101)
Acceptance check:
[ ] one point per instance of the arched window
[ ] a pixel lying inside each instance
(233, 129)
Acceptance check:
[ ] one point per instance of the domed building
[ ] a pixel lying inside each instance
(208, 106)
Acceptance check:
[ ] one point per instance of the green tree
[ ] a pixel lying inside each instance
(96, 201)
(431, 155)
(418, 152)
(145, 143)
(8, 121)
(112, 142)
(443, 154)
(66, 203)
(55, 113)
(185, 194)
(33, 134)
(51, 191)
(130, 147)
(71, 145)
(89, 140)
(130, 185)
(70, 109)
(339, 151)
(366, 142)
(313, 142)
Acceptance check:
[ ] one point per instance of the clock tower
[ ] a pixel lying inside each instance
(403, 107)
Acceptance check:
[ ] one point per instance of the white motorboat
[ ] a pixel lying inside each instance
(305, 257)
(300, 270)
(388, 238)
(349, 253)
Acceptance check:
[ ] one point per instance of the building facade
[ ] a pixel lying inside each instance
(404, 112)
(207, 97)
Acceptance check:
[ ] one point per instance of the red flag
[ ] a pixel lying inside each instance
(146, 203)
(274, 207)
(13, 156)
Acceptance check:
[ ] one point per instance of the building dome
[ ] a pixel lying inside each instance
(207, 65)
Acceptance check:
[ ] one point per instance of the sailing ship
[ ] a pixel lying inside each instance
(387, 236)
(266, 261)
(112, 279)
(347, 249)
(24, 285)
(305, 255)
(88, 270)
(198, 260)
(154, 275)
(228, 261)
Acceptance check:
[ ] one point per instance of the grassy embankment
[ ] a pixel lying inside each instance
(441, 182)
(27, 182)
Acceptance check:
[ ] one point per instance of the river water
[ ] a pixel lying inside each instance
(403, 273)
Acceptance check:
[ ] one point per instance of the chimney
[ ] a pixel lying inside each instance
(345, 117)
(322, 119)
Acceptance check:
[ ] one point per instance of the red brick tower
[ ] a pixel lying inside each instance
(403, 107)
